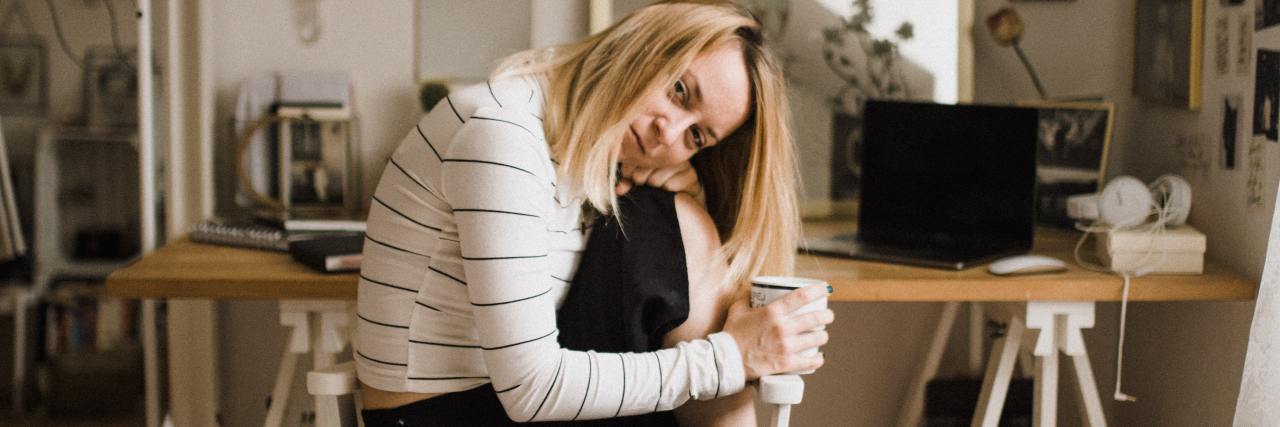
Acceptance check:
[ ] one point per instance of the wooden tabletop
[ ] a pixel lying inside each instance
(184, 269)
(872, 281)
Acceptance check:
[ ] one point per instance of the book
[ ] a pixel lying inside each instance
(1175, 239)
(330, 253)
(1156, 261)
(315, 221)
(242, 232)
(1179, 250)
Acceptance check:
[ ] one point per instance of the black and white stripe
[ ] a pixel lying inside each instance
(465, 313)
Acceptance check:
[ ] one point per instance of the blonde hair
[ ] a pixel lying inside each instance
(593, 89)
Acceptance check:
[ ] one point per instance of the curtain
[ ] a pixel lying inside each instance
(1259, 402)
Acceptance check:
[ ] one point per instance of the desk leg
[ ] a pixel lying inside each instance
(151, 361)
(913, 409)
(1060, 325)
(995, 384)
(1090, 404)
(318, 327)
(19, 351)
(1045, 411)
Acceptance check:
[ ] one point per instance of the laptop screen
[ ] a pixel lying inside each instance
(956, 176)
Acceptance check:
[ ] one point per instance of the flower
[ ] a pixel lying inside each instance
(868, 64)
(1005, 26)
(1006, 29)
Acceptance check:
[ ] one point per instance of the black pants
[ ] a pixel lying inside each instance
(629, 291)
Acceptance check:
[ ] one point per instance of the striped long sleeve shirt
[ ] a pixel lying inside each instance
(472, 243)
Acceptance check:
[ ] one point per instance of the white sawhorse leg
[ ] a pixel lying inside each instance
(320, 327)
(913, 408)
(1060, 325)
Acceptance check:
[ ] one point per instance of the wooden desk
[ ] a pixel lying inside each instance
(184, 269)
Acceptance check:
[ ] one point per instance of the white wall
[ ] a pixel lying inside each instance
(372, 42)
(1182, 360)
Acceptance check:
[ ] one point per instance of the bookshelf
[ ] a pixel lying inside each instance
(85, 204)
(87, 218)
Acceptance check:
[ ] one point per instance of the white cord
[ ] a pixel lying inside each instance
(1155, 231)
(1120, 396)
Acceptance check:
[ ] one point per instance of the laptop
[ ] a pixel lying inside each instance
(944, 186)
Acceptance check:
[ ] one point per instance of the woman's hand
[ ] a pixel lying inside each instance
(680, 178)
(770, 339)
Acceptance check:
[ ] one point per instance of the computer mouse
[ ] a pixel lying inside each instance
(1026, 264)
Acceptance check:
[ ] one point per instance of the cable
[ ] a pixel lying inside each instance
(62, 40)
(1120, 396)
(115, 36)
(1155, 231)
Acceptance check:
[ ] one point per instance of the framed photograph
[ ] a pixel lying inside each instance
(319, 168)
(110, 88)
(24, 76)
(1167, 52)
(1071, 154)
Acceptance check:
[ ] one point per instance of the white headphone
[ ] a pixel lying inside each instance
(1126, 202)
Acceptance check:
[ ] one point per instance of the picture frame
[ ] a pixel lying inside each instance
(1167, 52)
(1073, 142)
(24, 76)
(110, 88)
(319, 169)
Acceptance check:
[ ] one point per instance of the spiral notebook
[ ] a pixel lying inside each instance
(242, 232)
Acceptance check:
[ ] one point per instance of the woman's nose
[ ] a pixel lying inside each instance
(671, 127)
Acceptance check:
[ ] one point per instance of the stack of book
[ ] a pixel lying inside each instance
(1176, 250)
(326, 242)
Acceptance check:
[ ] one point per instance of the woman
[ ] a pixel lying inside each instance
(479, 222)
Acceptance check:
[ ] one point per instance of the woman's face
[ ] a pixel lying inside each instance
(708, 102)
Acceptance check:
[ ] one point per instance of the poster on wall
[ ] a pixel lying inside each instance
(1267, 94)
(1169, 44)
(1230, 129)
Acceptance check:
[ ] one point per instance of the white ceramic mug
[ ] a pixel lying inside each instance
(766, 289)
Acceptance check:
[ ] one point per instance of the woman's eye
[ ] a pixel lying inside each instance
(680, 90)
(698, 140)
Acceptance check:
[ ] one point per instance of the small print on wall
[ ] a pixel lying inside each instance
(1266, 13)
(1169, 45)
(1244, 44)
(1267, 94)
(24, 82)
(1230, 129)
(1222, 45)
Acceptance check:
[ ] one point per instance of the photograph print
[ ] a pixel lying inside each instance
(1071, 154)
(1230, 129)
(24, 76)
(1266, 14)
(1266, 94)
(1167, 54)
(317, 164)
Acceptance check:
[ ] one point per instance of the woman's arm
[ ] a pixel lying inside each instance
(500, 192)
(708, 306)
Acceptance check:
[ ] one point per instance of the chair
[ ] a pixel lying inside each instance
(334, 390)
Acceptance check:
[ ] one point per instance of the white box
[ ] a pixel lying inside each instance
(1179, 250)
